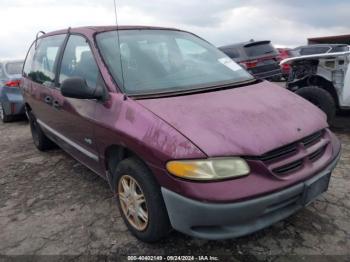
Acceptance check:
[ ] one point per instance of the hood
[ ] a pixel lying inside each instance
(249, 120)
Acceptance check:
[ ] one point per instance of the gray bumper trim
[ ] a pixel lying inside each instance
(222, 221)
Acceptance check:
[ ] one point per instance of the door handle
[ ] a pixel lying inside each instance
(56, 104)
(48, 100)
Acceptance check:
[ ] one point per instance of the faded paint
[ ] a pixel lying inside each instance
(249, 120)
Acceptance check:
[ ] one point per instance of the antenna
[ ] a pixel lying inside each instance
(115, 12)
(118, 44)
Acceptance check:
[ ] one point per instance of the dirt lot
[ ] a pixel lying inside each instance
(50, 204)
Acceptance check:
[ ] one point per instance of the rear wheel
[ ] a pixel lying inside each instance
(41, 141)
(3, 116)
(320, 98)
(140, 201)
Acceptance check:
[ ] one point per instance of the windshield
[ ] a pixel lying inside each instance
(14, 68)
(157, 61)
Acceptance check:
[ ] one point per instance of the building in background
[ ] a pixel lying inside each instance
(337, 39)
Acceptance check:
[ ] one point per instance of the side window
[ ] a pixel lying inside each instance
(2, 74)
(42, 69)
(314, 50)
(78, 61)
(14, 68)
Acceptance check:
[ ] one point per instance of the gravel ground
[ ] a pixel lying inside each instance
(52, 205)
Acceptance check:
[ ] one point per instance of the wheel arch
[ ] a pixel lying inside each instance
(28, 111)
(321, 82)
(27, 106)
(113, 155)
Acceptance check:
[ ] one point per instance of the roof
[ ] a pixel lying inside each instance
(315, 56)
(98, 29)
(320, 45)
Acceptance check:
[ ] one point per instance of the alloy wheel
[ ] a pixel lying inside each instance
(133, 202)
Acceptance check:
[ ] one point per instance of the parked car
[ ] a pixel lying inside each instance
(322, 79)
(260, 58)
(285, 53)
(11, 100)
(184, 136)
(319, 49)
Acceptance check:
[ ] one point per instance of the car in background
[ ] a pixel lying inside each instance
(259, 58)
(322, 79)
(11, 100)
(319, 49)
(187, 139)
(285, 53)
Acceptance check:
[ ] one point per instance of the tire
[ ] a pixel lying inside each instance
(320, 98)
(5, 118)
(41, 141)
(158, 224)
(276, 79)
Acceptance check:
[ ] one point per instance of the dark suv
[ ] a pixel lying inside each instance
(184, 136)
(260, 58)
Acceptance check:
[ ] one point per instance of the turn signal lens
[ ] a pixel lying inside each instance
(209, 169)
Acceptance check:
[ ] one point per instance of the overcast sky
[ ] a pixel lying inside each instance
(285, 22)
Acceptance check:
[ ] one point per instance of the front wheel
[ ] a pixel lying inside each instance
(140, 201)
(320, 98)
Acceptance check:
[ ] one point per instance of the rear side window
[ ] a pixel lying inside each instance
(314, 50)
(340, 49)
(78, 61)
(14, 68)
(42, 69)
(258, 49)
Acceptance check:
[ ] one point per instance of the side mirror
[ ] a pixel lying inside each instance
(76, 87)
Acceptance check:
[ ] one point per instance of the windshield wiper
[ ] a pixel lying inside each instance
(195, 90)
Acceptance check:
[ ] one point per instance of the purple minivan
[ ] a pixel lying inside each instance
(185, 137)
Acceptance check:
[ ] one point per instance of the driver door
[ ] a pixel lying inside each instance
(74, 118)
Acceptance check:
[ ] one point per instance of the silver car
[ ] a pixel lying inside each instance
(11, 100)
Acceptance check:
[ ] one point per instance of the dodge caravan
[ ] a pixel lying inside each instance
(186, 138)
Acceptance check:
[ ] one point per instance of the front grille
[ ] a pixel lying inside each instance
(317, 154)
(289, 168)
(291, 151)
(279, 152)
(312, 139)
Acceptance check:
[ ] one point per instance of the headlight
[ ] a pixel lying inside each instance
(209, 169)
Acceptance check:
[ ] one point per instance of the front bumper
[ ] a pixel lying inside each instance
(229, 220)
